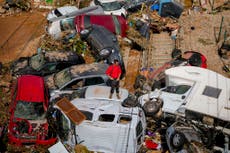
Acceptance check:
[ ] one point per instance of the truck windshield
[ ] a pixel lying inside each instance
(112, 6)
(180, 89)
(29, 110)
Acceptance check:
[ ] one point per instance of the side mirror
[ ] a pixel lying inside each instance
(183, 97)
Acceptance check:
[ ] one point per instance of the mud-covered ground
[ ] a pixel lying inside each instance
(21, 34)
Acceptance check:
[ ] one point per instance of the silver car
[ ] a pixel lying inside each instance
(77, 77)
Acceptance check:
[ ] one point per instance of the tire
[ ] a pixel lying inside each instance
(151, 108)
(139, 82)
(177, 140)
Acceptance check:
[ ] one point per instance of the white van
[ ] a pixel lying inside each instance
(198, 96)
(108, 126)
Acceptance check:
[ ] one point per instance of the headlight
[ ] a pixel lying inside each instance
(104, 52)
(84, 32)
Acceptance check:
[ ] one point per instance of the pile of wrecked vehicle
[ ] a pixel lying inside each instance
(58, 99)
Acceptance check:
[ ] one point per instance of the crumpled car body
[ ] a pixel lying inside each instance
(115, 24)
(64, 25)
(28, 124)
(188, 136)
(104, 45)
(77, 77)
(46, 63)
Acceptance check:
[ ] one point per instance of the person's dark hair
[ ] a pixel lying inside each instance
(115, 61)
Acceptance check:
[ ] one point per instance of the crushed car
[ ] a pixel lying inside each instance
(116, 24)
(106, 127)
(150, 79)
(104, 45)
(196, 95)
(46, 63)
(110, 7)
(77, 77)
(28, 124)
(64, 25)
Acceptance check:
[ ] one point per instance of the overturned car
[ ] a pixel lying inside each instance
(46, 63)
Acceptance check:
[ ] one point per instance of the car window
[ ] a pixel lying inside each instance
(180, 89)
(49, 67)
(124, 119)
(111, 6)
(88, 115)
(67, 24)
(96, 2)
(37, 61)
(74, 85)
(106, 117)
(93, 81)
(29, 110)
(117, 25)
(63, 126)
(57, 13)
(139, 133)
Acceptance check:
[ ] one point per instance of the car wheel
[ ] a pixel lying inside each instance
(139, 82)
(151, 108)
(177, 140)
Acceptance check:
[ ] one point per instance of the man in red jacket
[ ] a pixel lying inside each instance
(114, 73)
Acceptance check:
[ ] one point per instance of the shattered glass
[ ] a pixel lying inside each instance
(29, 110)
(111, 6)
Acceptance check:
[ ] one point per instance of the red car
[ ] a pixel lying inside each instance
(115, 24)
(28, 123)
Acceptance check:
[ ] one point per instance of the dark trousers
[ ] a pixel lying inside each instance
(114, 84)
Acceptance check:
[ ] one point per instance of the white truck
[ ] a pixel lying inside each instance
(108, 126)
(200, 97)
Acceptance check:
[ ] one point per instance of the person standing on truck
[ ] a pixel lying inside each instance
(114, 73)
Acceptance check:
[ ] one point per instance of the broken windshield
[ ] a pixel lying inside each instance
(29, 110)
(37, 61)
(62, 78)
(111, 6)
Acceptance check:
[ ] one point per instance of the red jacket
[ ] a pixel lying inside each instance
(113, 71)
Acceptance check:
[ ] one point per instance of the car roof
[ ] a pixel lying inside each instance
(60, 55)
(102, 92)
(67, 9)
(103, 106)
(30, 88)
(88, 69)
